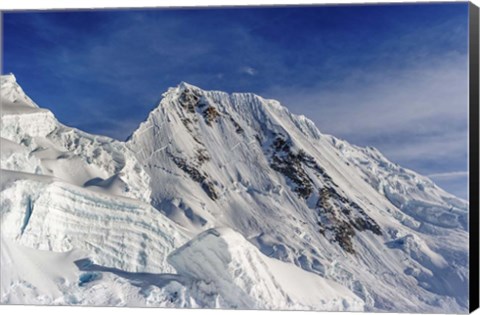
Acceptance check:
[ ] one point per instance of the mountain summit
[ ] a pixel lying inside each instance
(227, 200)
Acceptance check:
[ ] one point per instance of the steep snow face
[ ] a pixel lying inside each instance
(245, 278)
(305, 198)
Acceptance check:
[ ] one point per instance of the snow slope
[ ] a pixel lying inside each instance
(45, 277)
(266, 204)
(249, 279)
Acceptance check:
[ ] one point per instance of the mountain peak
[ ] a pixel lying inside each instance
(8, 78)
(11, 91)
(185, 85)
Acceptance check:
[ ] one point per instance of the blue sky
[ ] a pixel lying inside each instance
(394, 77)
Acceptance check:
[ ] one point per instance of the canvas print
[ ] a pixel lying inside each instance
(279, 158)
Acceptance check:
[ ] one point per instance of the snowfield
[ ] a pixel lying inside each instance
(248, 279)
(220, 200)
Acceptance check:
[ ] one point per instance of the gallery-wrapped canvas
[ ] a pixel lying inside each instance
(320, 157)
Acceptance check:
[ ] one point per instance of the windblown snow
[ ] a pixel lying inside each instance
(222, 201)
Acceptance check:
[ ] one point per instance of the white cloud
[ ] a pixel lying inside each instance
(370, 103)
(249, 70)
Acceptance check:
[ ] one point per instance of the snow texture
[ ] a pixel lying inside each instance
(220, 200)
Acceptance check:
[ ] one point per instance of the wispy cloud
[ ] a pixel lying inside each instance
(417, 116)
(417, 102)
(454, 182)
(249, 70)
(448, 175)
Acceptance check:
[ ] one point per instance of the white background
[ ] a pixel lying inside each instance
(55, 4)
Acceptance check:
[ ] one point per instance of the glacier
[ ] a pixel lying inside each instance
(220, 200)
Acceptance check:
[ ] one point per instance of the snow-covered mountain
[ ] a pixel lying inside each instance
(220, 200)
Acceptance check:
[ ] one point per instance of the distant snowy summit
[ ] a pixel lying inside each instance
(220, 200)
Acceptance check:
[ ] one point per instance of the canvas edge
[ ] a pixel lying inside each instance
(474, 130)
(474, 156)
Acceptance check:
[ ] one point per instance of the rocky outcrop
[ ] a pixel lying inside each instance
(339, 219)
(197, 176)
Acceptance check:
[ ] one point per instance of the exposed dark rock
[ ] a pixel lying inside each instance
(202, 156)
(343, 236)
(339, 218)
(292, 169)
(190, 170)
(210, 115)
(238, 128)
(187, 122)
(281, 144)
(197, 176)
(188, 99)
(210, 190)
(195, 138)
(310, 162)
(290, 164)
(369, 224)
(342, 217)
